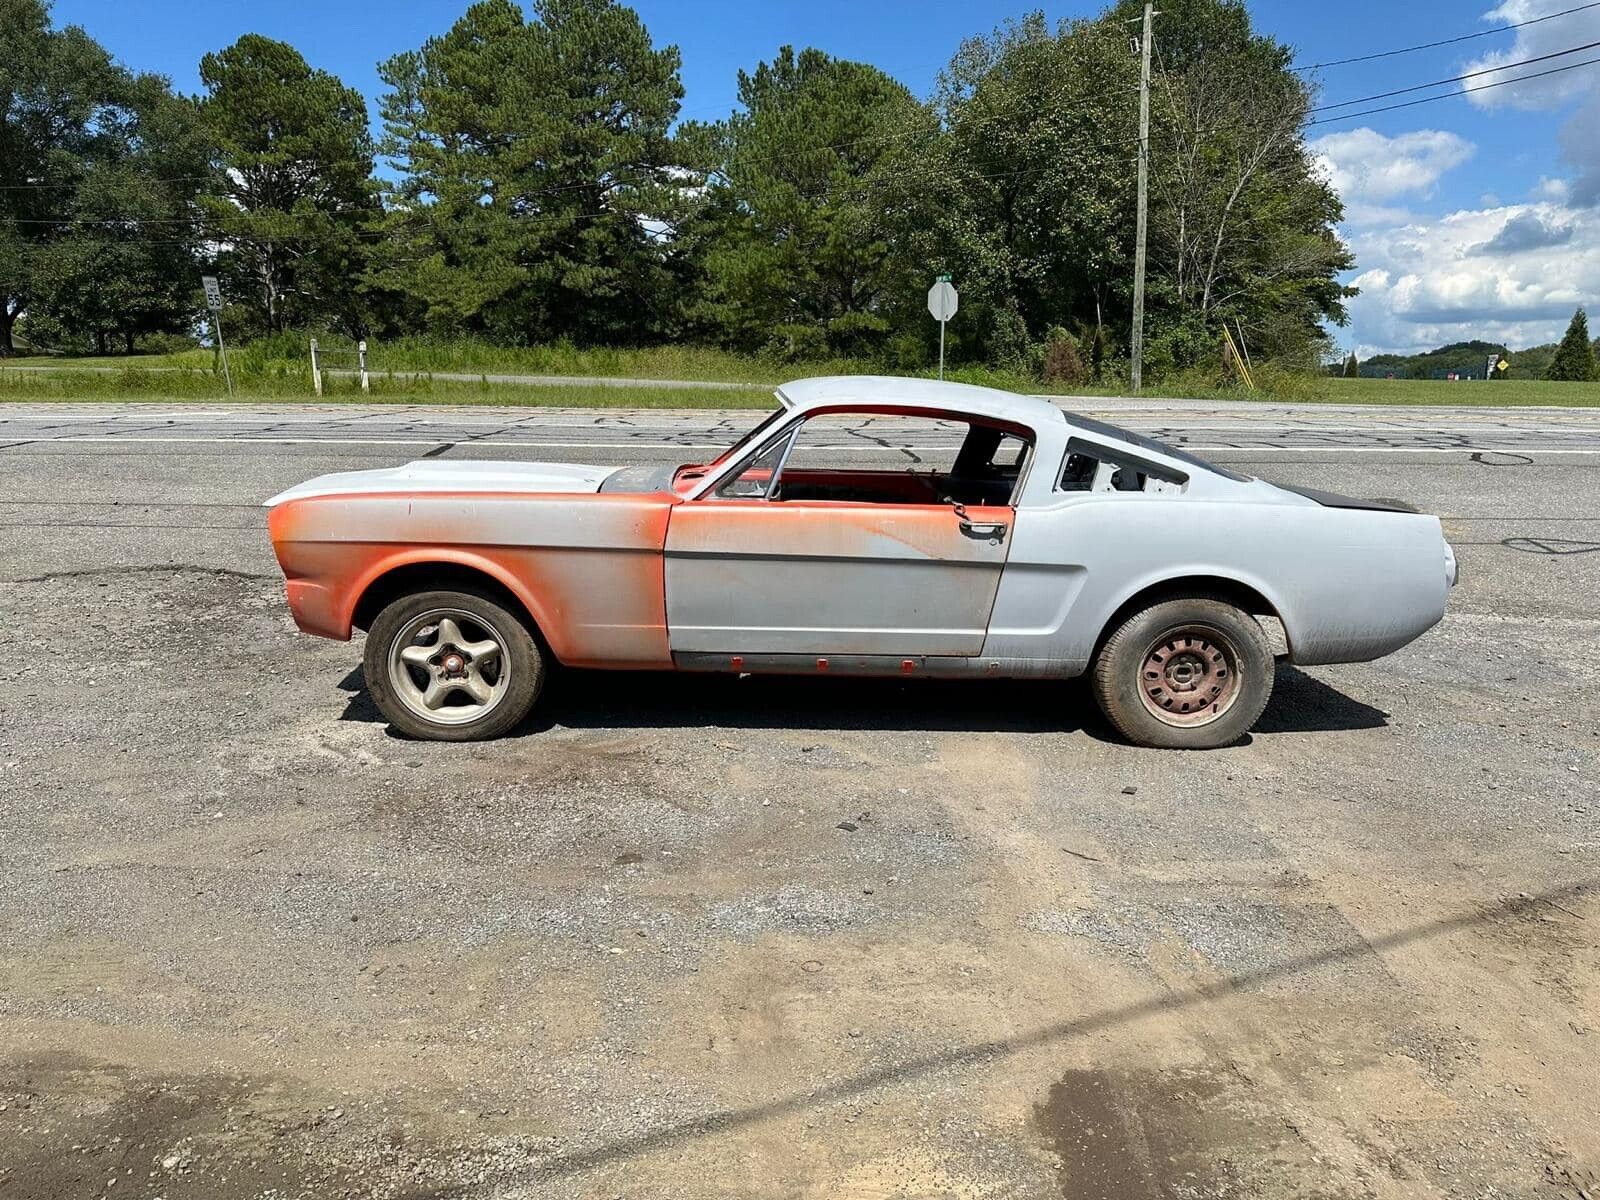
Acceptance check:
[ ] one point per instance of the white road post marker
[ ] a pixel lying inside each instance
(214, 303)
(942, 304)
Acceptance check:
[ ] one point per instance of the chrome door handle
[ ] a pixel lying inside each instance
(995, 531)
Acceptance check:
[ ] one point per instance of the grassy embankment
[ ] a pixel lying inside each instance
(405, 372)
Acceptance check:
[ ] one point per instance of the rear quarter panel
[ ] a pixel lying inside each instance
(588, 568)
(1349, 585)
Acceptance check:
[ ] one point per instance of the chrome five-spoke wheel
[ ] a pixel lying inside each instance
(449, 666)
(453, 665)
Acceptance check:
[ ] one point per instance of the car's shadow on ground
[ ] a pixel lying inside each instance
(668, 700)
(1303, 703)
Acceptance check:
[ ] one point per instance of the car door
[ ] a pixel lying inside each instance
(749, 572)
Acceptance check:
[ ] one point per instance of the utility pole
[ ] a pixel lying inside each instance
(1144, 182)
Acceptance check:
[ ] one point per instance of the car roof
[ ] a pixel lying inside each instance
(957, 398)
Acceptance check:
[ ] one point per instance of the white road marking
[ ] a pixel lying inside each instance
(136, 439)
(331, 441)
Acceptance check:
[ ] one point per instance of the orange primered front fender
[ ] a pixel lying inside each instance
(600, 603)
(315, 575)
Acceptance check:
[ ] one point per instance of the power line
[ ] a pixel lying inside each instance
(1482, 87)
(1420, 87)
(17, 187)
(1466, 37)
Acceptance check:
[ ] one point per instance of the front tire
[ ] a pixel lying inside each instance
(452, 666)
(1191, 673)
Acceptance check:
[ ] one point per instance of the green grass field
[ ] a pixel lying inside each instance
(279, 371)
(1505, 393)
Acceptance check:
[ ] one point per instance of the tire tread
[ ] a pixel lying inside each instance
(1127, 713)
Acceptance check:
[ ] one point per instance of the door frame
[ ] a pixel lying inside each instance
(993, 522)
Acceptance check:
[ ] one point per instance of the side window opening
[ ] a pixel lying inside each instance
(886, 458)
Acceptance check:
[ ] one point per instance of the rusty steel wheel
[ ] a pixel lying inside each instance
(1187, 673)
(1189, 676)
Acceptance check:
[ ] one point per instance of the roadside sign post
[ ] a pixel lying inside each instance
(214, 303)
(942, 304)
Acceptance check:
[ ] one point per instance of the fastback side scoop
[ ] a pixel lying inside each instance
(449, 475)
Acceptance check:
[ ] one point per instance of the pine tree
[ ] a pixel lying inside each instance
(1352, 366)
(297, 170)
(1574, 361)
(534, 163)
(793, 218)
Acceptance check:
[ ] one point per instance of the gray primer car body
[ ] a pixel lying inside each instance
(1347, 583)
(1099, 520)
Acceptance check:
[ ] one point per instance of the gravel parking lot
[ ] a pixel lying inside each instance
(705, 937)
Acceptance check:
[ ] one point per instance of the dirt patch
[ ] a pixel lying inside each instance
(1143, 1134)
(81, 1128)
(73, 1127)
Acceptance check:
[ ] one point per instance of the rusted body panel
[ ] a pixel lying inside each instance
(588, 569)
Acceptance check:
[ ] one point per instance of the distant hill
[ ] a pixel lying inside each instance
(1466, 359)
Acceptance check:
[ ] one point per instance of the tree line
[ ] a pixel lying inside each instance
(538, 184)
(1574, 359)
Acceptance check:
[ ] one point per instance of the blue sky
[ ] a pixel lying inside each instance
(1477, 215)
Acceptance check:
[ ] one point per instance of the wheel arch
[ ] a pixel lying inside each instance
(427, 571)
(1246, 596)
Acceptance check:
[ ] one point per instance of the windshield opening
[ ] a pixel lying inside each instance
(766, 423)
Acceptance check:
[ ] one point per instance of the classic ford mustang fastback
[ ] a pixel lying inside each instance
(1020, 540)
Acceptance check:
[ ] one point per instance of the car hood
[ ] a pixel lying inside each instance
(448, 475)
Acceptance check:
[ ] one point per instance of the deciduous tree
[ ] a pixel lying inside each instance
(1028, 197)
(793, 230)
(1243, 227)
(52, 84)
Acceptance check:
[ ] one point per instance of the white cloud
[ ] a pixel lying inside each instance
(1580, 142)
(1510, 273)
(1551, 189)
(1535, 41)
(1366, 168)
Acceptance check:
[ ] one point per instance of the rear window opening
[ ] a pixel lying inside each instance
(1149, 443)
(1092, 468)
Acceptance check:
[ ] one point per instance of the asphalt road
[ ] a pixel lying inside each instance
(747, 938)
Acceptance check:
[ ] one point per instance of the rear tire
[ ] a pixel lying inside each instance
(452, 666)
(1191, 673)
